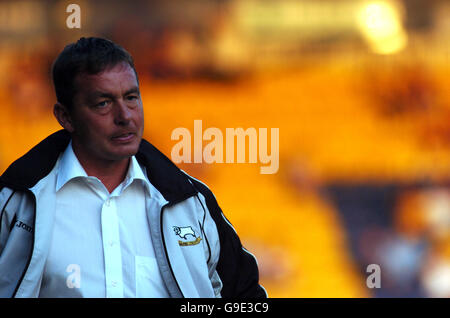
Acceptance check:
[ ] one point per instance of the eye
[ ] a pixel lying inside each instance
(132, 97)
(102, 104)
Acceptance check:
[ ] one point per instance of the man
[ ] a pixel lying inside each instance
(96, 211)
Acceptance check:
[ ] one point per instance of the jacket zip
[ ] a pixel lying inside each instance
(202, 229)
(32, 247)
(165, 249)
(164, 241)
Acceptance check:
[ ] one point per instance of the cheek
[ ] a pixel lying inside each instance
(139, 118)
(92, 129)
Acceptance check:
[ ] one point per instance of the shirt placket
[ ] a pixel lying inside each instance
(111, 249)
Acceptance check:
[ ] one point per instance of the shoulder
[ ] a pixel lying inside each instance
(26, 171)
(206, 192)
(201, 187)
(5, 195)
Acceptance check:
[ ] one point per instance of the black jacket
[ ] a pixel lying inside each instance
(236, 267)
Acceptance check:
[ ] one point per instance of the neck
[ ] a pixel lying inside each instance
(110, 172)
(110, 175)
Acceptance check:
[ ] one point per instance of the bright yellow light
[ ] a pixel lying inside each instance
(380, 22)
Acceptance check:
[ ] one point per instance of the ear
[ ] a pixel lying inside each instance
(63, 117)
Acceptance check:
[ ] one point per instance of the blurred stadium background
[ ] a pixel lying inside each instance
(358, 89)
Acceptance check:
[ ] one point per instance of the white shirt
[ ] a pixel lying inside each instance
(101, 244)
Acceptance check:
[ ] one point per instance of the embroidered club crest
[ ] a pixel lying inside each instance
(184, 232)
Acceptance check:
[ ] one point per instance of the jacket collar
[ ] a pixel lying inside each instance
(26, 171)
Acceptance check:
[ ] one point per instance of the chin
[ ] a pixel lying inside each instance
(125, 152)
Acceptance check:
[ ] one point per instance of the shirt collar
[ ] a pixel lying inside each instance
(135, 173)
(70, 168)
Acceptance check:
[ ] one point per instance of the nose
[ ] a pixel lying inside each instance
(122, 114)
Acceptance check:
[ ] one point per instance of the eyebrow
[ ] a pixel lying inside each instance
(132, 90)
(97, 94)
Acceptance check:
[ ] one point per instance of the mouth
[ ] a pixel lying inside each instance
(123, 138)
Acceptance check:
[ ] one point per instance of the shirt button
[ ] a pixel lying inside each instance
(113, 283)
(108, 202)
(111, 243)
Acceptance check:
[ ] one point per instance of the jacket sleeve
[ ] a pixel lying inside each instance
(237, 268)
(5, 220)
(16, 244)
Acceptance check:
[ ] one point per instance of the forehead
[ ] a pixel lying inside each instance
(114, 79)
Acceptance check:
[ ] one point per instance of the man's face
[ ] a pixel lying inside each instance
(107, 117)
